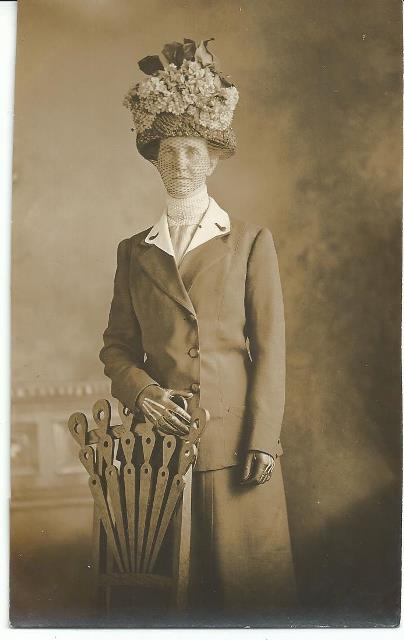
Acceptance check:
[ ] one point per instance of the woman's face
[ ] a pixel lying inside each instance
(184, 163)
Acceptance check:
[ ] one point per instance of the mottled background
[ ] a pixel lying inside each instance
(319, 162)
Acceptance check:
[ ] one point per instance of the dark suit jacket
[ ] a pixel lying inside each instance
(215, 325)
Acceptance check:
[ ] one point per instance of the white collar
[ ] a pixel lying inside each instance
(215, 222)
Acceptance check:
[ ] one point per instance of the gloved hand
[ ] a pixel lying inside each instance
(258, 467)
(157, 406)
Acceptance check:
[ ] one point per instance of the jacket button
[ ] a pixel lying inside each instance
(195, 386)
(193, 352)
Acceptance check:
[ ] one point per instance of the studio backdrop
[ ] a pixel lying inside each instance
(319, 163)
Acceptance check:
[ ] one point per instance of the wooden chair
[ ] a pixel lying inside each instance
(141, 485)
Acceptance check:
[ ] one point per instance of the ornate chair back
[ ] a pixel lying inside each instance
(141, 485)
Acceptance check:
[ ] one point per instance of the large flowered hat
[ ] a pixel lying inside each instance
(183, 95)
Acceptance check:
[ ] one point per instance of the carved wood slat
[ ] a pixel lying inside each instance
(105, 516)
(129, 472)
(163, 476)
(159, 493)
(144, 497)
(176, 489)
(111, 475)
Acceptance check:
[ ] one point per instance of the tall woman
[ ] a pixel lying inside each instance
(197, 310)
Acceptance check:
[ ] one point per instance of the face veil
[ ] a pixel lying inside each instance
(184, 163)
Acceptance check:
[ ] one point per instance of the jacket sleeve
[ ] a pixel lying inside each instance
(123, 354)
(266, 333)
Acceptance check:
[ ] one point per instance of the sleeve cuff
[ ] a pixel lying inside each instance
(150, 384)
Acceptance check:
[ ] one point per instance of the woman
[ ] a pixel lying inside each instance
(197, 310)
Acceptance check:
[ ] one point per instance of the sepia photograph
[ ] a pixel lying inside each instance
(206, 260)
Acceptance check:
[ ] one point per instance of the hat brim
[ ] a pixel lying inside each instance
(168, 125)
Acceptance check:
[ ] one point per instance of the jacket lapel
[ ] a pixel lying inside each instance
(202, 258)
(162, 269)
(209, 244)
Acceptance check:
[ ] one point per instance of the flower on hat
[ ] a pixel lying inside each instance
(184, 80)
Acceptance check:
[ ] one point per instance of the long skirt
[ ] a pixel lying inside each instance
(241, 560)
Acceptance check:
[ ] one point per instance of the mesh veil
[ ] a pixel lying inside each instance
(184, 163)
